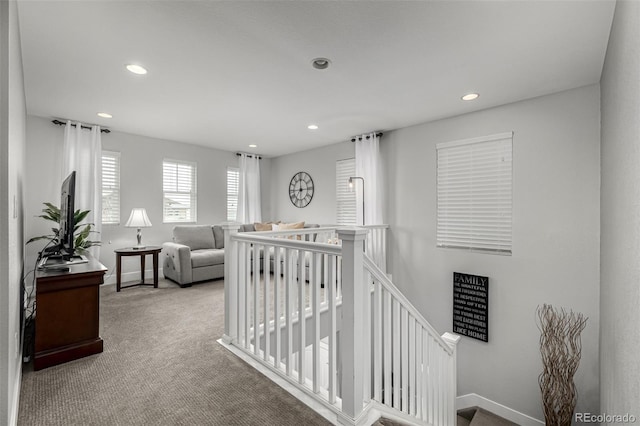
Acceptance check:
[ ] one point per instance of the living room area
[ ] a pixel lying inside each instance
(558, 77)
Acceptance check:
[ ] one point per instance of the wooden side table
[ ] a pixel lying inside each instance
(142, 252)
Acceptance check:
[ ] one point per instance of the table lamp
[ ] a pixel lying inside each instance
(138, 219)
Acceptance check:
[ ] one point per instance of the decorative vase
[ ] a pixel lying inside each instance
(560, 348)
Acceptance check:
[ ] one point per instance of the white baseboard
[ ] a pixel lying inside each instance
(133, 276)
(475, 400)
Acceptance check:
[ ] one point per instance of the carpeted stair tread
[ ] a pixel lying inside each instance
(463, 422)
(485, 418)
(386, 422)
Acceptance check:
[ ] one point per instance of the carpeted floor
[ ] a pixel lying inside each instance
(161, 365)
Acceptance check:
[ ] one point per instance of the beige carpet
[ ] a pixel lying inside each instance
(161, 366)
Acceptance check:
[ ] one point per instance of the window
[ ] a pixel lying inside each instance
(345, 197)
(233, 181)
(179, 187)
(474, 194)
(110, 188)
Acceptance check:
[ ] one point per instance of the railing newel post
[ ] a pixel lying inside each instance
(352, 339)
(230, 282)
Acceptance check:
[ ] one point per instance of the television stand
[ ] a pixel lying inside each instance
(67, 313)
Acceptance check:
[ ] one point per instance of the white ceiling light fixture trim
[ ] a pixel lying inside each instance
(312, 127)
(105, 115)
(137, 69)
(321, 63)
(253, 145)
(470, 97)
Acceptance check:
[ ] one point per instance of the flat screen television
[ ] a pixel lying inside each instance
(64, 253)
(67, 222)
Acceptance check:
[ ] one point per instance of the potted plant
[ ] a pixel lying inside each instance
(81, 231)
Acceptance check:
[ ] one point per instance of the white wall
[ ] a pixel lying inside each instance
(556, 218)
(620, 248)
(320, 163)
(12, 142)
(140, 179)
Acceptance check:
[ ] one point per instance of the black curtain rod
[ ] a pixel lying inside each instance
(249, 155)
(62, 123)
(359, 138)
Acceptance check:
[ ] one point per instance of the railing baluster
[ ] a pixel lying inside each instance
(405, 358)
(426, 408)
(314, 282)
(366, 298)
(377, 341)
(411, 406)
(277, 289)
(396, 354)
(388, 345)
(419, 371)
(247, 294)
(331, 300)
(266, 298)
(288, 309)
(256, 303)
(301, 316)
(241, 293)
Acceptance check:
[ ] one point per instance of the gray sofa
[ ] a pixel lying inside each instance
(197, 253)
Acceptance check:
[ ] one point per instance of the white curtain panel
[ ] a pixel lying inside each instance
(82, 152)
(249, 204)
(369, 167)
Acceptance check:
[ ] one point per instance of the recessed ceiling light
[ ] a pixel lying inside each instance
(321, 63)
(253, 145)
(312, 127)
(137, 69)
(470, 97)
(105, 115)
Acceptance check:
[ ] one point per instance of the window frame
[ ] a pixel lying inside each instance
(117, 160)
(193, 192)
(346, 202)
(230, 199)
(474, 194)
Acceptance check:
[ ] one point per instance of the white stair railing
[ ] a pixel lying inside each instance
(414, 368)
(326, 318)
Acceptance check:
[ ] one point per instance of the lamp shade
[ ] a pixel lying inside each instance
(138, 219)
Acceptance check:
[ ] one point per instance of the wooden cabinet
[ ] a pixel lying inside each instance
(68, 314)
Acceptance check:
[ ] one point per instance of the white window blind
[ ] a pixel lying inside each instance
(110, 188)
(233, 181)
(474, 194)
(345, 197)
(179, 188)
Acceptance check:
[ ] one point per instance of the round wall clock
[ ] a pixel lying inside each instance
(301, 189)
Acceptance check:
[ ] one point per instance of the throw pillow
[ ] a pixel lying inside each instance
(262, 226)
(287, 226)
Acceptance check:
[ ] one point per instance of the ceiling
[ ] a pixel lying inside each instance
(233, 73)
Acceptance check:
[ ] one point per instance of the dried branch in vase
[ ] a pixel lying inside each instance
(561, 349)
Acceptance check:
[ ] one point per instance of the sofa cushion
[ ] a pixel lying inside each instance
(247, 227)
(218, 234)
(200, 258)
(195, 236)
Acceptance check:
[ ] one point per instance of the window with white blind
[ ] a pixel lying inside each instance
(110, 188)
(474, 194)
(179, 191)
(233, 181)
(345, 197)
